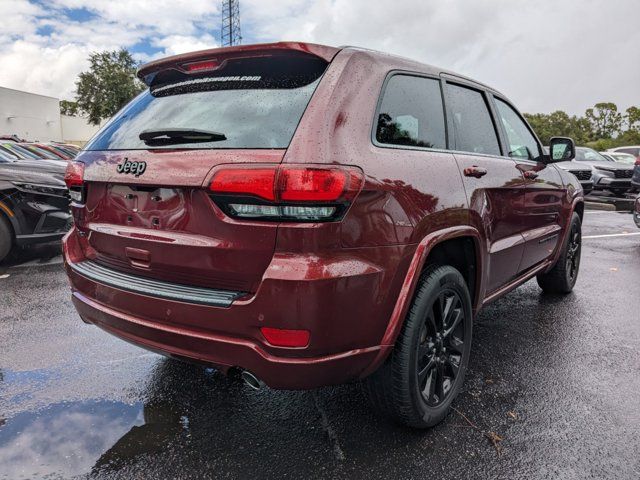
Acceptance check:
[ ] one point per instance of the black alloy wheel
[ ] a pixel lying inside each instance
(439, 353)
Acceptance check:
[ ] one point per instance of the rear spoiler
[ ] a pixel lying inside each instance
(216, 56)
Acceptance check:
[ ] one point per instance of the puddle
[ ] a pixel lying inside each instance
(68, 439)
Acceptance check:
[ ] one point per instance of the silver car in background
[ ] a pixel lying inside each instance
(582, 172)
(607, 174)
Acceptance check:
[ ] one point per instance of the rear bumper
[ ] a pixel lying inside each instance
(346, 308)
(226, 352)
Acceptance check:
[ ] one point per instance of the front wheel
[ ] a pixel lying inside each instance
(564, 274)
(426, 368)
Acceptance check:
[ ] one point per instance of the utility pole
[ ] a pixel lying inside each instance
(230, 33)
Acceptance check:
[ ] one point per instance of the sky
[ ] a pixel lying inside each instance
(543, 54)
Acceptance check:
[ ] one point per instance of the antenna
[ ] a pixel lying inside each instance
(230, 33)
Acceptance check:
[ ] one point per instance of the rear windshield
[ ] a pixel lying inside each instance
(254, 103)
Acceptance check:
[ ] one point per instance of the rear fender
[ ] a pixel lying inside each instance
(405, 296)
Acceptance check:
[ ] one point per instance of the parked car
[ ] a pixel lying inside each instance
(34, 202)
(607, 174)
(631, 149)
(628, 159)
(635, 179)
(6, 155)
(41, 151)
(67, 151)
(19, 151)
(625, 158)
(580, 171)
(10, 138)
(248, 211)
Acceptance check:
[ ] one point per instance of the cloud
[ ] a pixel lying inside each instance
(544, 55)
(175, 44)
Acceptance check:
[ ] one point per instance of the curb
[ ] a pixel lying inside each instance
(599, 206)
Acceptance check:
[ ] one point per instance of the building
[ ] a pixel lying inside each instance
(37, 118)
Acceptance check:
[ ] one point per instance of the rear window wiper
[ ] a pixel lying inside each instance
(171, 136)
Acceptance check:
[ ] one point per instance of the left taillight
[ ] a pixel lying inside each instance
(74, 178)
(292, 193)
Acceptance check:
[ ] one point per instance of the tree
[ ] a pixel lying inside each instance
(559, 124)
(605, 120)
(108, 85)
(632, 119)
(70, 108)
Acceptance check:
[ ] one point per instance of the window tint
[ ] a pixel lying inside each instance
(522, 143)
(253, 103)
(473, 127)
(411, 113)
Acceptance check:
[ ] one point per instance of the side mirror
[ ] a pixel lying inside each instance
(561, 149)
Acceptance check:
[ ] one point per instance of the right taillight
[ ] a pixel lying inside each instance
(74, 178)
(286, 192)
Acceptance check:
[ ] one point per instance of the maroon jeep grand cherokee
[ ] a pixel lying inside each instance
(307, 215)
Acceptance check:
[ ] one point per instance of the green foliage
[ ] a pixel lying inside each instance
(70, 108)
(109, 84)
(602, 127)
(559, 124)
(605, 119)
(632, 119)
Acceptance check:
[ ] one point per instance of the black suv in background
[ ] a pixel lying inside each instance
(34, 202)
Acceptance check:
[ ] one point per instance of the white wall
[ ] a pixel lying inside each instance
(77, 129)
(30, 116)
(37, 117)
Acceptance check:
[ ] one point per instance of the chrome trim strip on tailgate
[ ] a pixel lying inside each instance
(155, 288)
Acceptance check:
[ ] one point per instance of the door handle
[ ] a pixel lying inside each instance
(474, 171)
(530, 174)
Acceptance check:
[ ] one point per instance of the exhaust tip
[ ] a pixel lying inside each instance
(251, 380)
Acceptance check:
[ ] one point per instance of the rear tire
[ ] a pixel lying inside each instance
(424, 372)
(564, 274)
(6, 238)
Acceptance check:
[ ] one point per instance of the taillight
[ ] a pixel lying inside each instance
(637, 161)
(286, 338)
(74, 178)
(258, 182)
(286, 192)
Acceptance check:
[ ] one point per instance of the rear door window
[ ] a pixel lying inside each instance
(473, 130)
(252, 103)
(411, 113)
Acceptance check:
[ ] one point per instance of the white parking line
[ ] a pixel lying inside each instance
(612, 235)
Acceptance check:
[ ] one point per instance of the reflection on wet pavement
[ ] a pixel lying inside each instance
(65, 439)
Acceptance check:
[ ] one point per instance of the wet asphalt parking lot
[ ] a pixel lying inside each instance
(552, 392)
